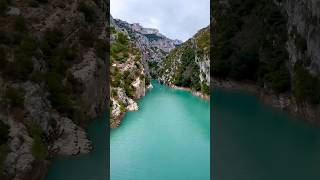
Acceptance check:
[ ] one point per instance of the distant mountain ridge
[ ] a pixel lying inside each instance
(156, 39)
(152, 44)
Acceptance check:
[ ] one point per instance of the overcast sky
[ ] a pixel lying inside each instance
(176, 19)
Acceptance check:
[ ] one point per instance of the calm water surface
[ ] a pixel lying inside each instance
(91, 166)
(254, 142)
(167, 139)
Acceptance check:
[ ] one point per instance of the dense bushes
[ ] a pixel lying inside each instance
(121, 48)
(88, 12)
(14, 97)
(101, 49)
(306, 88)
(4, 6)
(250, 43)
(4, 131)
(187, 74)
(3, 155)
(38, 149)
(20, 24)
(128, 79)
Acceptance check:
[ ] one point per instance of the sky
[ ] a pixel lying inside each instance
(176, 19)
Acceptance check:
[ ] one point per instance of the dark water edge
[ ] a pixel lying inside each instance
(92, 166)
(252, 141)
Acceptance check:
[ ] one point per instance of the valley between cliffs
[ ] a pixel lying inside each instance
(140, 54)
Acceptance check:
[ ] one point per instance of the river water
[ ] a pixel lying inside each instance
(92, 166)
(252, 141)
(168, 138)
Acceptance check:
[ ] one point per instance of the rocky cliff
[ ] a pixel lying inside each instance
(53, 79)
(189, 64)
(127, 75)
(273, 44)
(153, 45)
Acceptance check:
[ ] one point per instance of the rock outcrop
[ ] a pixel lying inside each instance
(189, 64)
(127, 74)
(304, 21)
(53, 81)
(153, 45)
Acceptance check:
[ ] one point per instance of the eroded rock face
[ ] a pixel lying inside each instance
(72, 140)
(172, 68)
(204, 66)
(91, 72)
(140, 88)
(59, 133)
(304, 20)
(153, 45)
(20, 158)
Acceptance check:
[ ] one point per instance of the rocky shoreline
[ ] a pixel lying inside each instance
(195, 93)
(284, 101)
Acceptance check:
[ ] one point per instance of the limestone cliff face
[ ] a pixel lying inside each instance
(304, 21)
(127, 74)
(189, 64)
(153, 45)
(53, 81)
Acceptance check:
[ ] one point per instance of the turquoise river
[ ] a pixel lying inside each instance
(252, 141)
(168, 138)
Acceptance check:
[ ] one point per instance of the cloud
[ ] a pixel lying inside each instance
(176, 19)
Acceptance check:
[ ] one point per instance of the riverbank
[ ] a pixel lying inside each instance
(151, 142)
(284, 101)
(91, 165)
(195, 93)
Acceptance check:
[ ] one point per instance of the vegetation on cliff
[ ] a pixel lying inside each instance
(250, 43)
(51, 52)
(128, 81)
(259, 42)
(188, 64)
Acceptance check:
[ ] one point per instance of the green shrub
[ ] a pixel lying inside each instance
(33, 3)
(122, 38)
(53, 37)
(54, 82)
(28, 45)
(20, 24)
(11, 37)
(280, 80)
(250, 43)
(129, 90)
(89, 14)
(3, 155)
(147, 81)
(205, 89)
(3, 6)
(45, 48)
(4, 132)
(20, 68)
(39, 150)
(306, 88)
(42, 1)
(58, 97)
(122, 107)
(112, 30)
(14, 97)
(3, 57)
(85, 38)
(101, 49)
